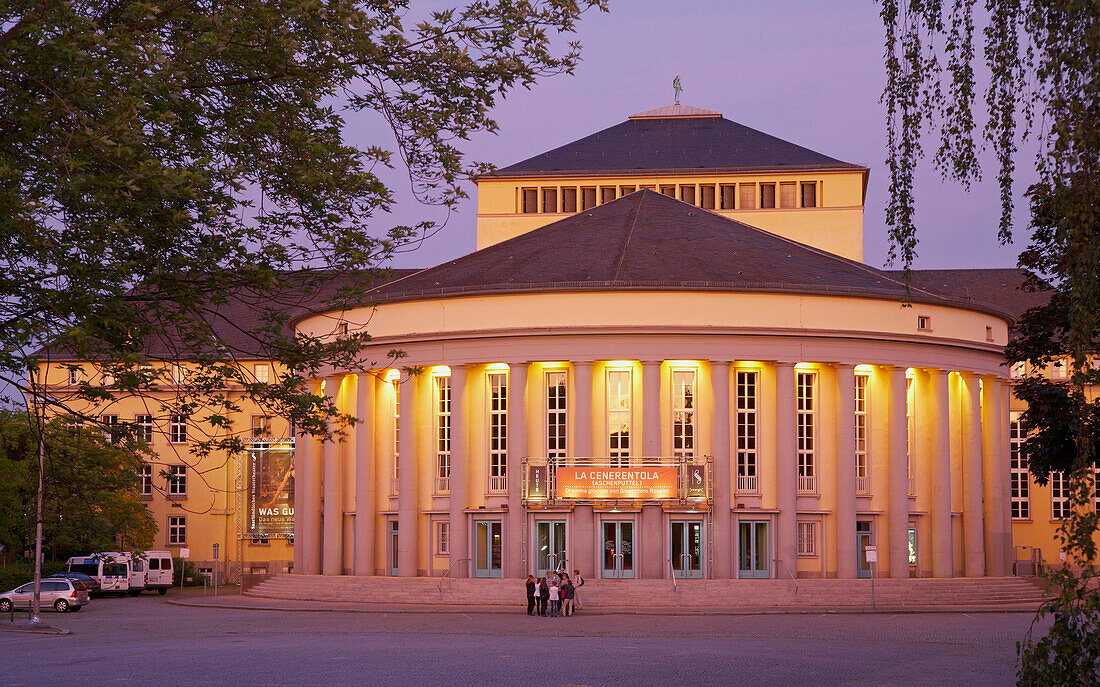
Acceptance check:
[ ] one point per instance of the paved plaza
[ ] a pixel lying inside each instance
(146, 640)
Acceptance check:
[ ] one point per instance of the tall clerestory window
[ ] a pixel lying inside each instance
(396, 384)
(863, 469)
(556, 414)
(1020, 484)
(748, 480)
(442, 435)
(807, 433)
(618, 416)
(683, 413)
(498, 432)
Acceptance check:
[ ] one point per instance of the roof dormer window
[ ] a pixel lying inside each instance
(767, 195)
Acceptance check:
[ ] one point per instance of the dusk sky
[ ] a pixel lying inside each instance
(811, 73)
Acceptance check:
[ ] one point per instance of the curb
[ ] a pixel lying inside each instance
(24, 628)
(321, 607)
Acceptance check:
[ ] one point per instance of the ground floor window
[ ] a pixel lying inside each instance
(1059, 496)
(807, 538)
(442, 538)
(177, 529)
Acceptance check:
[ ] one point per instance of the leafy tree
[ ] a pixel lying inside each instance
(92, 501)
(1043, 57)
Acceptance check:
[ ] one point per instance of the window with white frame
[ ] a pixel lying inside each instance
(177, 429)
(261, 426)
(145, 480)
(1059, 496)
(442, 538)
(619, 394)
(442, 435)
(262, 373)
(683, 413)
(1020, 483)
(110, 424)
(863, 468)
(177, 529)
(498, 431)
(556, 413)
(1059, 369)
(807, 432)
(179, 374)
(747, 469)
(74, 375)
(396, 384)
(807, 538)
(144, 428)
(177, 480)
(1018, 370)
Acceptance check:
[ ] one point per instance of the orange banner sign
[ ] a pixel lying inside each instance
(597, 482)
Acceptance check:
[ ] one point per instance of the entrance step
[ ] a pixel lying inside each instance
(693, 594)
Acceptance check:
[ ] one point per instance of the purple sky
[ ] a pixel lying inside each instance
(808, 72)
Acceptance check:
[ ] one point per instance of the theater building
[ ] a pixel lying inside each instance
(665, 359)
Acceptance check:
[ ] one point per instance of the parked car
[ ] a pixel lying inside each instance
(61, 593)
(90, 582)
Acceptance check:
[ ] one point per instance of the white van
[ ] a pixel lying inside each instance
(158, 569)
(110, 570)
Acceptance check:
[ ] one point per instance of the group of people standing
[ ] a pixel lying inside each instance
(557, 590)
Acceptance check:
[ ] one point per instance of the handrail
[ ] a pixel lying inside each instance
(447, 575)
(782, 564)
(672, 570)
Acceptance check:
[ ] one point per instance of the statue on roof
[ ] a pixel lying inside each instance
(676, 88)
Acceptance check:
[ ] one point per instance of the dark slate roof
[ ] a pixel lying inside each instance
(646, 240)
(674, 144)
(1001, 288)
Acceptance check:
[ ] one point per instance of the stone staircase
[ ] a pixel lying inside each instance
(698, 595)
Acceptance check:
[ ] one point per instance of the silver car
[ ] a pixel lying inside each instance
(63, 595)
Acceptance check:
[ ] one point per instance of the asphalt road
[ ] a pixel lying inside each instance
(145, 640)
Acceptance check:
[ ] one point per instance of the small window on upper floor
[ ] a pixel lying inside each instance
(748, 196)
(607, 194)
(706, 196)
(989, 333)
(729, 193)
(588, 198)
(530, 200)
(809, 195)
(924, 323)
(625, 190)
(569, 200)
(669, 191)
(74, 375)
(687, 194)
(787, 194)
(1018, 370)
(549, 200)
(262, 373)
(1059, 369)
(767, 195)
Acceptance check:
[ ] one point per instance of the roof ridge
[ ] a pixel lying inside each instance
(629, 234)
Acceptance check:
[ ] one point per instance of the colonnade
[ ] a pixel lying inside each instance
(940, 459)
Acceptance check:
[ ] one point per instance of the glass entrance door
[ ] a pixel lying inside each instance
(618, 549)
(487, 548)
(393, 548)
(550, 540)
(686, 544)
(863, 540)
(752, 547)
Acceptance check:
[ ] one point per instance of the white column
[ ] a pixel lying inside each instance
(721, 465)
(408, 481)
(517, 452)
(991, 479)
(582, 409)
(460, 473)
(333, 553)
(651, 408)
(1005, 527)
(364, 474)
(943, 548)
(973, 522)
(898, 490)
(307, 475)
(845, 472)
(786, 545)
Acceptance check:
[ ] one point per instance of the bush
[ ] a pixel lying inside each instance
(191, 573)
(15, 574)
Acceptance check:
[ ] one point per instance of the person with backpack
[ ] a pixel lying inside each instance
(577, 584)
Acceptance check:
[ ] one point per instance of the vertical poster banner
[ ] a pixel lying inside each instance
(537, 480)
(696, 481)
(270, 491)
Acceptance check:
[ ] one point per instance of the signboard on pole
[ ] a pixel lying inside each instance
(598, 482)
(185, 553)
(269, 490)
(871, 552)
